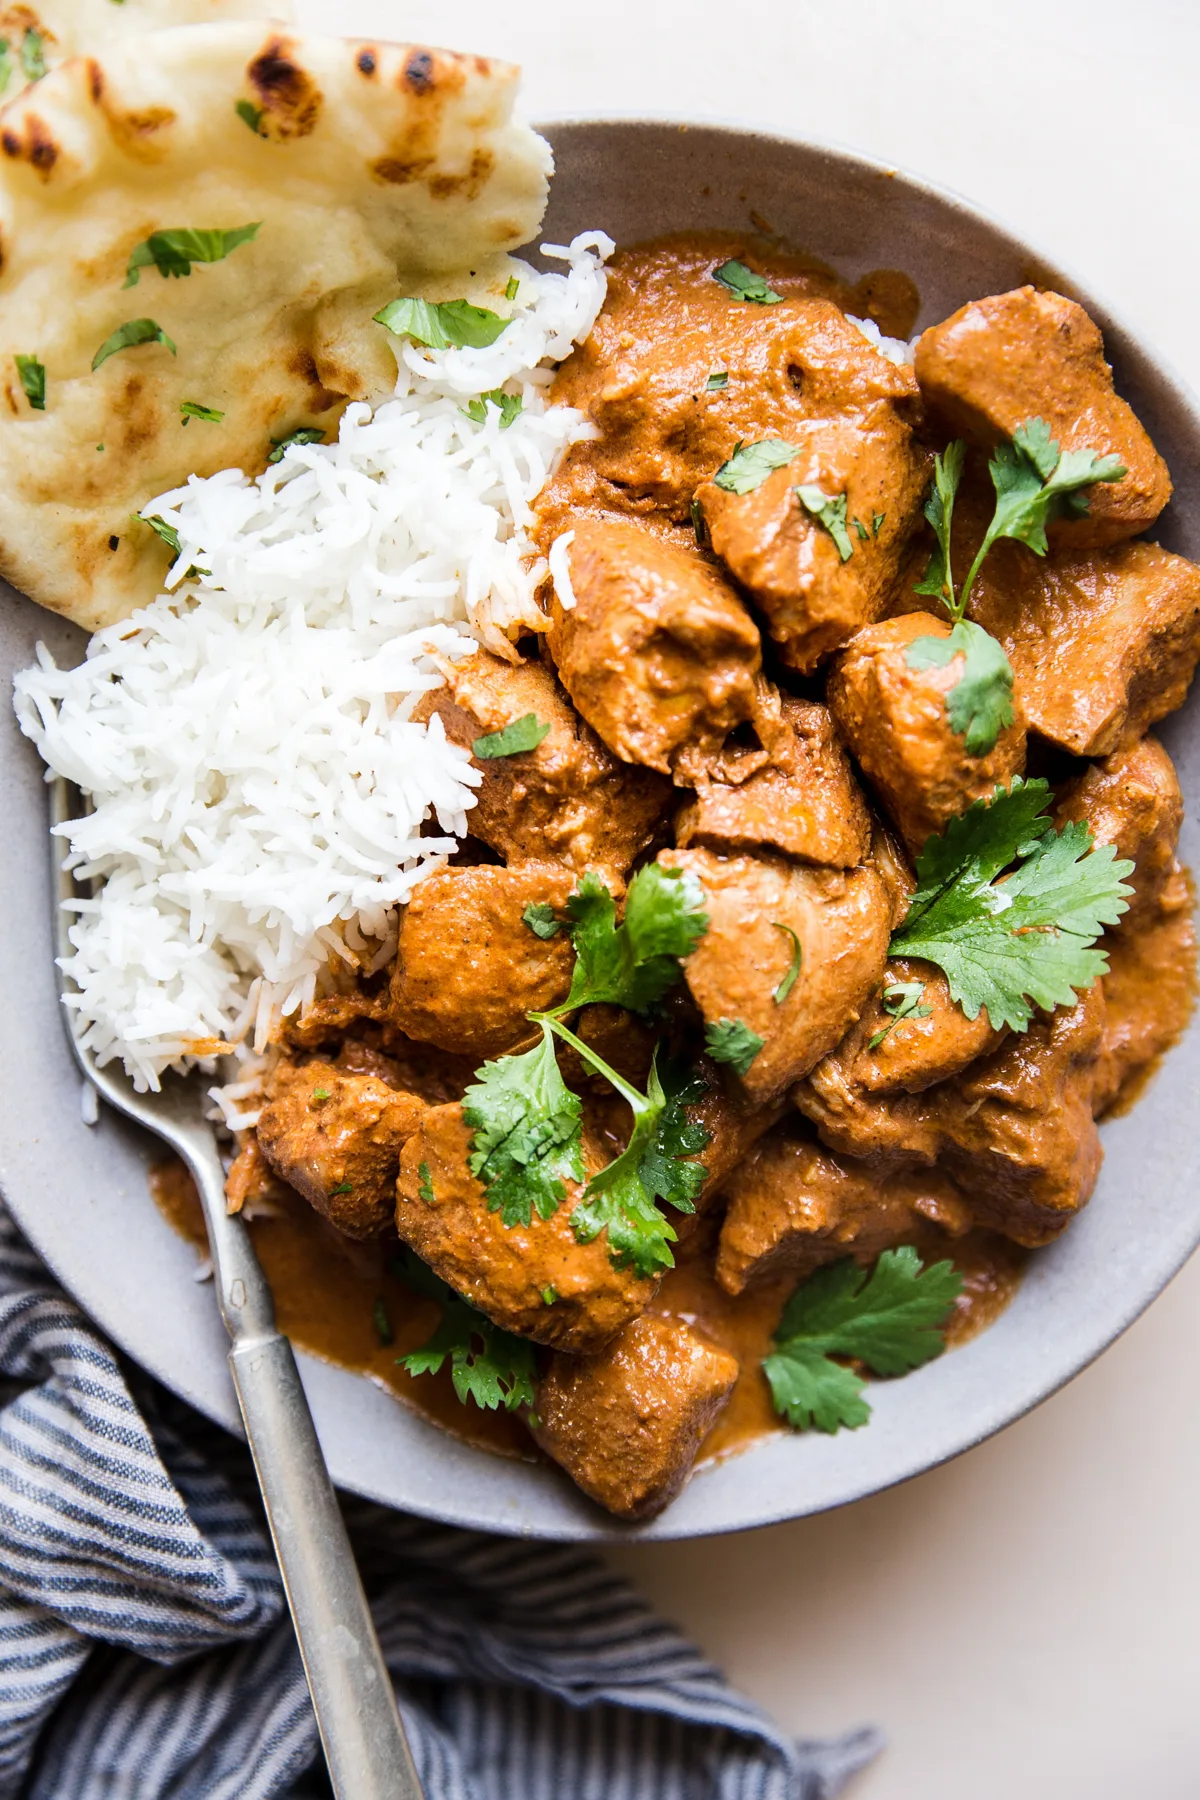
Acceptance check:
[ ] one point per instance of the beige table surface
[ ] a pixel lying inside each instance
(1022, 1623)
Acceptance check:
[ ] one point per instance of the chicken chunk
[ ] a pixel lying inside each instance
(643, 377)
(1014, 1132)
(840, 918)
(626, 1424)
(894, 719)
(817, 587)
(1030, 354)
(934, 1042)
(569, 800)
(336, 1138)
(1149, 993)
(468, 967)
(794, 1206)
(508, 1271)
(658, 653)
(1132, 800)
(1101, 646)
(804, 803)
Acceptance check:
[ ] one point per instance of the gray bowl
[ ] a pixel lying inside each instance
(81, 1193)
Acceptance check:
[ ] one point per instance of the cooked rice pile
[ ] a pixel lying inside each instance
(258, 788)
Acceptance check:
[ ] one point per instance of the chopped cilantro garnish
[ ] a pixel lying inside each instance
(33, 55)
(541, 919)
(509, 406)
(526, 1142)
(634, 963)
(487, 1365)
(876, 522)
(891, 1320)
(321, 1093)
(861, 529)
(192, 409)
(250, 115)
(167, 533)
(511, 288)
(745, 284)
(32, 376)
(125, 337)
(173, 252)
(343, 1187)
(303, 434)
(1034, 482)
(729, 1041)
(382, 1323)
(750, 464)
(442, 324)
(789, 981)
(829, 510)
(425, 1185)
(523, 734)
(6, 67)
(1028, 937)
(718, 379)
(902, 999)
(698, 523)
(549, 1296)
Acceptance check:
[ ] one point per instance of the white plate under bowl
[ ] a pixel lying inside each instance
(81, 1193)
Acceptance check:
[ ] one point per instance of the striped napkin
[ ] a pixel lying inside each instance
(146, 1653)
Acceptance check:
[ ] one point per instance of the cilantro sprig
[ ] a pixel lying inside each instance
(487, 1365)
(634, 963)
(1035, 481)
(1011, 941)
(527, 1133)
(890, 1320)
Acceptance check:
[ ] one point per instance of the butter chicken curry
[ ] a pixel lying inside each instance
(821, 890)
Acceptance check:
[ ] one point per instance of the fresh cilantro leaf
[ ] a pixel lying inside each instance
(890, 1320)
(321, 1093)
(526, 1125)
(509, 407)
(938, 579)
(789, 981)
(980, 704)
(863, 533)
(512, 288)
(303, 434)
(1027, 938)
(523, 734)
(32, 376)
(549, 1296)
(382, 1323)
(425, 1185)
(729, 1041)
(167, 533)
(1034, 484)
(750, 464)
(192, 409)
(250, 115)
(33, 55)
(718, 379)
(173, 252)
(902, 999)
(540, 917)
(830, 511)
(620, 1199)
(487, 1365)
(634, 963)
(876, 522)
(125, 337)
(441, 324)
(745, 284)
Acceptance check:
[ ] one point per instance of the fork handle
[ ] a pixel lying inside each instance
(361, 1732)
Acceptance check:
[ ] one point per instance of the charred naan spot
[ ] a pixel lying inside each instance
(390, 168)
(291, 100)
(11, 142)
(418, 72)
(366, 63)
(140, 134)
(41, 151)
(508, 233)
(114, 542)
(443, 187)
(95, 81)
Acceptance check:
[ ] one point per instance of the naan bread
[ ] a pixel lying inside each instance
(375, 170)
(66, 28)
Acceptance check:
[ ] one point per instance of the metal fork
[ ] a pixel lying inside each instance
(363, 1738)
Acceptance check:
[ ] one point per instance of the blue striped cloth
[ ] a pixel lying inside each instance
(145, 1652)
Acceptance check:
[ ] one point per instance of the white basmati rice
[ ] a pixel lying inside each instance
(258, 789)
(897, 350)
